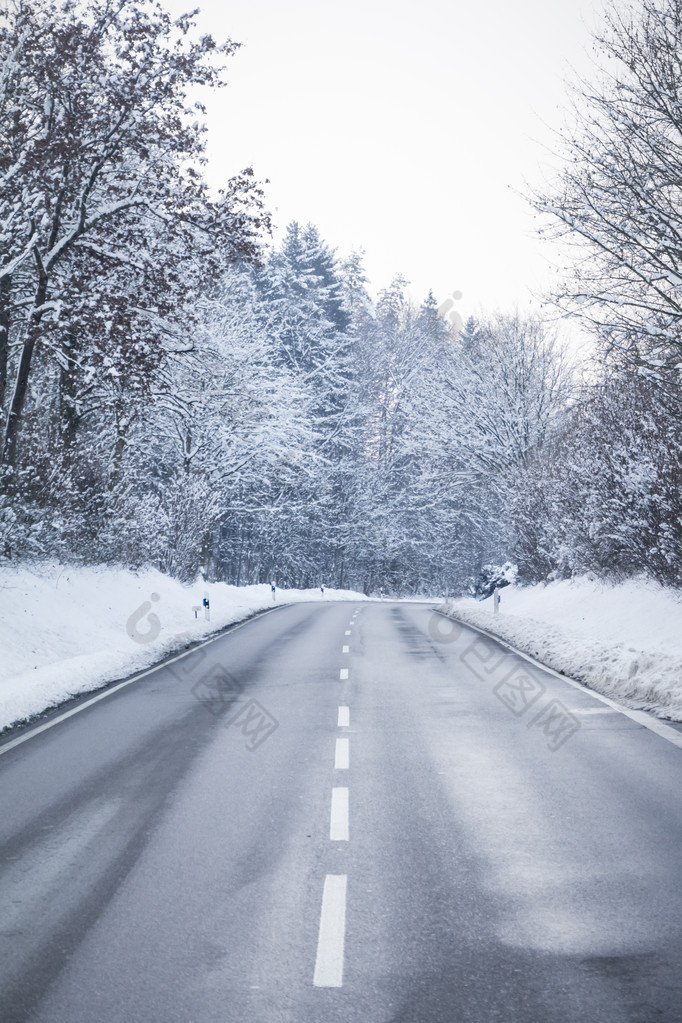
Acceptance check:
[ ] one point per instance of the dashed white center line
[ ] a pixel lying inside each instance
(330, 941)
(344, 717)
(348, 632)
(345, 649)
(342, 755)
(344, 673)
(338, 825)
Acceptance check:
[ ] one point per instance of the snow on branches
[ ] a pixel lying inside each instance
(619, 195)
(107, 227)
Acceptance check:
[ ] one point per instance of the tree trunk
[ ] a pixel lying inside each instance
(9, 451)
(5, 291)
(117, 456)
(16, 409)
(69, 418)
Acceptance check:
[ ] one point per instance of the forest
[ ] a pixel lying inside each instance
(177, 391)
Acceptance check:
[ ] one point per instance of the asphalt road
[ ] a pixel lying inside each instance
(446, 834)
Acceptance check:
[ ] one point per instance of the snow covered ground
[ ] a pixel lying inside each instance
(64, 631)
(624, 641)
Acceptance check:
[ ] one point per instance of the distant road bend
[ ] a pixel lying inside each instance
(342, 813)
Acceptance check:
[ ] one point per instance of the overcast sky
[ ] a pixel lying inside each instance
(403, 128)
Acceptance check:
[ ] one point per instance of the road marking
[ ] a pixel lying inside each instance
(594, 710)
(332, 935)
(338, 825)
(344, 673)
(342, 755)
(128, 682)
(344, 717)
(671, 735)
(345, 649)
(348, 632)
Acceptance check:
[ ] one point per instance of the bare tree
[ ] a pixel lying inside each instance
(619, 196)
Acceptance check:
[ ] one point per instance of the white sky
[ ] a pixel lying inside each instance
(403, 128)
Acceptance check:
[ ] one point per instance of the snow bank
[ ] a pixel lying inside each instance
(65, 631)
(624, 641)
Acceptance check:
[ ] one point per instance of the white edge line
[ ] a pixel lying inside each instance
(641, 717)
(128, 682)
(332, 933)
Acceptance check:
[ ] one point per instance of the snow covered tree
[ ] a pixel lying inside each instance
(303, 309)
(505, 390)
(604, 495)
(230, 417)
(106, 224)
(494, 398)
